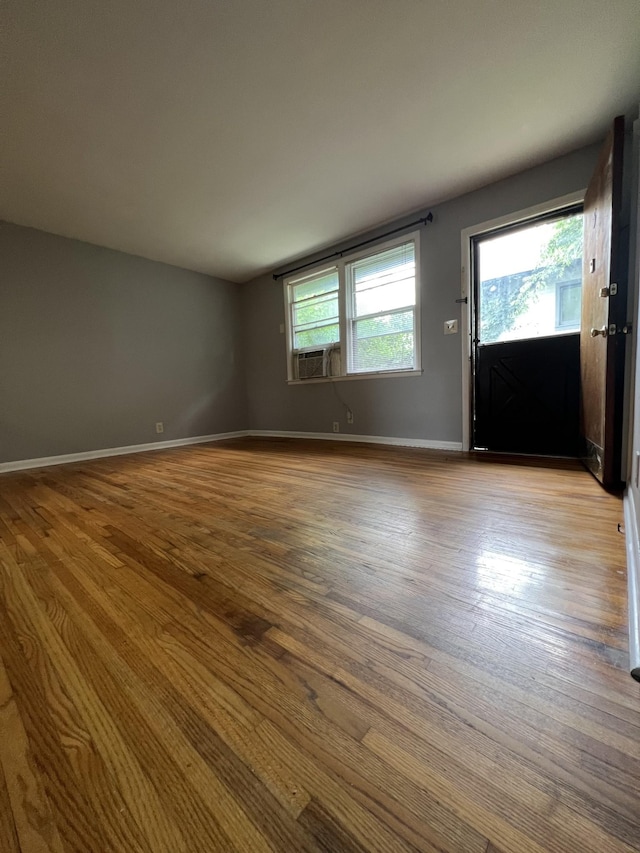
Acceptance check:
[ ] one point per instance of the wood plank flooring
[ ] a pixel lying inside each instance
(271, 645)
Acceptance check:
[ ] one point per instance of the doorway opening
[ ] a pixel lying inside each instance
(525, 288)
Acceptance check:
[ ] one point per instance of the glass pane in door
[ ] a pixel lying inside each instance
(530, 281)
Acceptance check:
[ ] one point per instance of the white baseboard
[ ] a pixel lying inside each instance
(633, 581)
(366, 439)
(46, 461)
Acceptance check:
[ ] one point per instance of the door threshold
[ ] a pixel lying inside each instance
(538, 460)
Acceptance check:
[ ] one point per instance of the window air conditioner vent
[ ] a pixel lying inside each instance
(312, 365)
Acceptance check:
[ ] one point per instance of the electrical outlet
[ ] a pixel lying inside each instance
(159, 427)
(349, 416)
(336, 426)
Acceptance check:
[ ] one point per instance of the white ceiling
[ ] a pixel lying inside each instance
(230, 136)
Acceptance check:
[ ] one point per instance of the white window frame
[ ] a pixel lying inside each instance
(345, 309)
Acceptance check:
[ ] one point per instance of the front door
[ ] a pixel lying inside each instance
(526, 353)
(602, 340)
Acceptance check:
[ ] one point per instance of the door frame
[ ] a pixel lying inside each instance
(467, 320)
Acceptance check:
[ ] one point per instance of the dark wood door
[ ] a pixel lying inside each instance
(604, 299)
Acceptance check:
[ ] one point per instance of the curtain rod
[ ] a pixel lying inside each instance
(423, 221)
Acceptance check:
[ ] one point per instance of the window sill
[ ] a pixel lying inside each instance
(382, 375)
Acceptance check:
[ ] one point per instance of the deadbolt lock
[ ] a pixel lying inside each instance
(609, 290)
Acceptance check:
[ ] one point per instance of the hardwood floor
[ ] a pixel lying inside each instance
(270, 645)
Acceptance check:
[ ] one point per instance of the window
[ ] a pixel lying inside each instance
(315, 316)
(357, 317)
(529, 279)
(568, 305)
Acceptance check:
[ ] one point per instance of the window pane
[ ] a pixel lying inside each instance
(321, 336)
(314, 310)
(521, 276)
(383, 324)
(382, 285)
(398, 294)
(383, 343)
(384, 281)
(569, 298)
(314, 314)
(315, 285)
(384, 352)
(384, 267)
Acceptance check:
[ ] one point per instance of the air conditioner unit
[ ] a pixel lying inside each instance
(312, 365)
(318, 363)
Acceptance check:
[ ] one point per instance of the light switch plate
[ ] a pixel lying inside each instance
(450, 327)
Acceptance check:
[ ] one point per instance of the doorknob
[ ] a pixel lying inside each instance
(604, 331)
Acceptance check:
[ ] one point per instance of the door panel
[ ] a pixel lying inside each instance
(527, 396)
(602, 343)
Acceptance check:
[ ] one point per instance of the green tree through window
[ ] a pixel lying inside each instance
(504, 299)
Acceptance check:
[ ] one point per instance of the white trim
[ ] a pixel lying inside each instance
(46, 461)
(362, 439)
(66, 458)
(633, 581)
(466, 288)
(382, 374)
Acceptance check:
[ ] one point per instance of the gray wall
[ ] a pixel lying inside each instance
(424, 407)
(96, 346)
